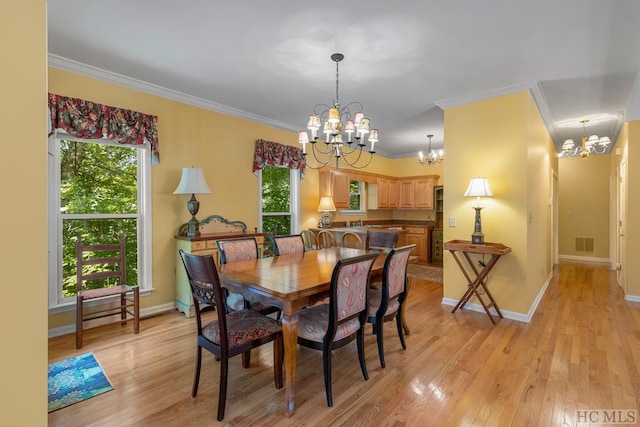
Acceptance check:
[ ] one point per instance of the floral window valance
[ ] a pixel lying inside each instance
(88, 120)
(276, 154)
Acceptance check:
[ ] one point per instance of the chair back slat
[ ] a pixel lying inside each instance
(309, 239)
(235, 250)
(110, 257)
(286, 245)
(326, 239)
(351, 240)
(205, 287)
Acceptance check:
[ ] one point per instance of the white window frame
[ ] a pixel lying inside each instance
(294, 202)
(56, 302)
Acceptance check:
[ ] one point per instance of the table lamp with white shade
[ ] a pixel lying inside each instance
(326, 206)
(192, 182)
(478, 187)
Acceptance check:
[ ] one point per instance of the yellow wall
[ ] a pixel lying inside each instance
(584, 204)
(223, 146)
(189, 136)
(498, 138)
(629, 145)
(23, 85)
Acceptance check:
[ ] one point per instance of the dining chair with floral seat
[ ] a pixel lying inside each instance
(387, 303)
(242, 249)
(330, 326)
(287, 245)
(230, 334)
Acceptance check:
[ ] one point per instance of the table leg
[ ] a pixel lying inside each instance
(290, 336)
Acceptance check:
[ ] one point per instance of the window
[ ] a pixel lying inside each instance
(279, 200)
(356, 200)
(98, 190)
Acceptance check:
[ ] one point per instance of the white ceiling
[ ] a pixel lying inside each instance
(404, 60)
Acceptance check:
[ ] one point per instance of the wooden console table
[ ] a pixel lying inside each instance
(496, 250)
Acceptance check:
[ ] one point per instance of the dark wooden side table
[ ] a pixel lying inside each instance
(465, 247)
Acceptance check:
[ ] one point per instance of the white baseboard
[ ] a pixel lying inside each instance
(592, 260)
(513, 315)
(71, 329)
(633, 298)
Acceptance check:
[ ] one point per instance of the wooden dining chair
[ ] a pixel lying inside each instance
(231, 333)
(286, 245)
(326, 239)
(309, 239)
(387, 303)
(102, 273)
(351, 240)
(242, 249)
(330, 326)
(381, 241)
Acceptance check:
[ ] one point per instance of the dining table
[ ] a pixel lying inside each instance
(290, 282)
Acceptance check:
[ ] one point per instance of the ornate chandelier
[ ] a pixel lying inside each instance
(432, 156)
(334, 120)
(593, 144)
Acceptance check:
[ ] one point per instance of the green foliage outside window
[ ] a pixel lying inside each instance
(354, 195)
(276, 200)
(97, 179)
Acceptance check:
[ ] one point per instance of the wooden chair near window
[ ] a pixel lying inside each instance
(381, 241)
(309, 239)
(286, 245)
(387, 303)
(101, 273)
(330, 326)
(326, 239)
(231, 333)
(242, 249)
(351, 240)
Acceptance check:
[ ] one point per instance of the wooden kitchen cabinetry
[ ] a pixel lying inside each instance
(335, 183)
(383, 194)
(416, 193)
(420, 236)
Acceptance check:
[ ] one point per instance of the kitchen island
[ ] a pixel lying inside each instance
(408, 233)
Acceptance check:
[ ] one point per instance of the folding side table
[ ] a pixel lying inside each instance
(465, 247)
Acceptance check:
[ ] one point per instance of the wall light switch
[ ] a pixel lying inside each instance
(452, 221)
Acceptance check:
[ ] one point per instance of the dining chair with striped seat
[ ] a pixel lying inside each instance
(387, 303)
(330, 326)
(242, 249)
(287, 245)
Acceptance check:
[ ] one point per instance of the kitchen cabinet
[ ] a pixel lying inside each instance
(438, 195)
(436, 246)
(416, 193)
(335, 184)
(383, 194)
(420, 236)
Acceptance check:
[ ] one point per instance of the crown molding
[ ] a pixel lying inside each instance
(481, 96)
(72, 66)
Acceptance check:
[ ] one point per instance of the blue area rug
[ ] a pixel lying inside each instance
(75, 379)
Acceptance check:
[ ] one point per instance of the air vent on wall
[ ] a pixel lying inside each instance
(584, 244)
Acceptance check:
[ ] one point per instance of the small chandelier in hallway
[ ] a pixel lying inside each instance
(592, 144)
(432, 157)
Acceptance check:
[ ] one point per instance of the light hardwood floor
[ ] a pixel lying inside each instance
(581, 351)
